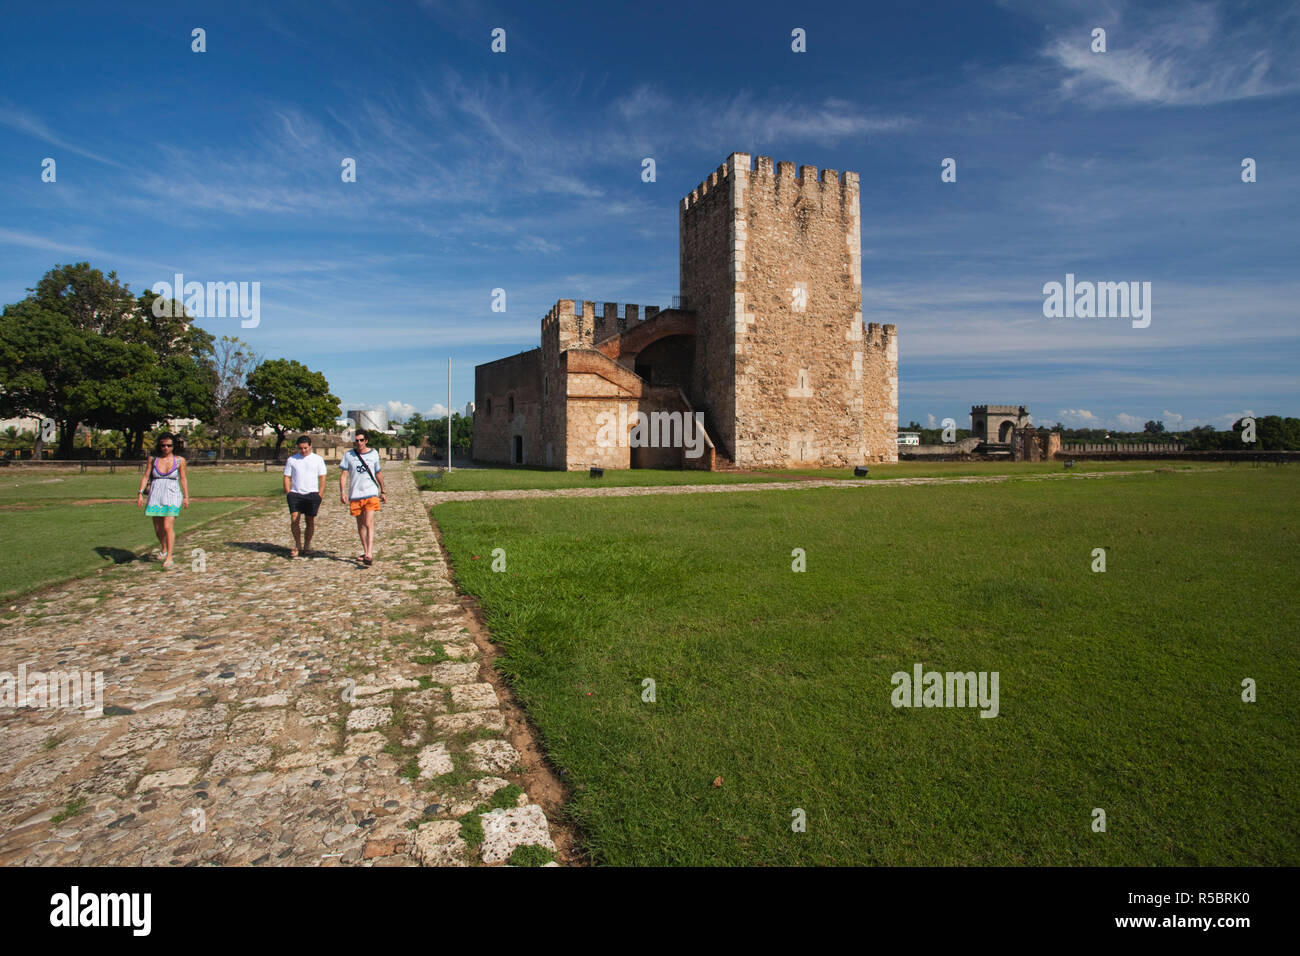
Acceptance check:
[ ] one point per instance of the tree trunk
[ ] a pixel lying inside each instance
(67, 434)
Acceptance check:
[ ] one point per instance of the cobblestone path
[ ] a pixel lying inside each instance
(261, 710)
(440, 497)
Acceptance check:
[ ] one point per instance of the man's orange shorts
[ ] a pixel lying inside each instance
(362, 504)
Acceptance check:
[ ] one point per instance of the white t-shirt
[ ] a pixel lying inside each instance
(304, 473)
(359, 484)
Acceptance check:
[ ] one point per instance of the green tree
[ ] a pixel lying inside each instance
(462, 433)
(1272, 433)
(1204, 438)
(287, 395)
(1153, 428)
(43, 359)
(81, 348)
(415, 431)
(178, 366)
(229, 366)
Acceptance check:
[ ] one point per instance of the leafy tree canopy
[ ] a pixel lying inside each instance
(289, 396)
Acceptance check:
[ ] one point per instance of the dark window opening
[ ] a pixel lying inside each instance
(519, 450)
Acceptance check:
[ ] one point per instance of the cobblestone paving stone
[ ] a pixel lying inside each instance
(441, 497)
(262, 710)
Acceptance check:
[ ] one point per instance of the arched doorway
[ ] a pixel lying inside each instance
(667, 361)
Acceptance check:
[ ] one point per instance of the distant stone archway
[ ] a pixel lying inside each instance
(995, 424)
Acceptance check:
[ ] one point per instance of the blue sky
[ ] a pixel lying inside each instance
(522, 171)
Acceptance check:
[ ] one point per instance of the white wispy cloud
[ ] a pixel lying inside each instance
(1078, 418)
(400, 411)
(1181, 55)
(654, 119)
(1129, 423)
(24, 123)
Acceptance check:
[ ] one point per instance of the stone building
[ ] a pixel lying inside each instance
(994, 424)
(767, 350)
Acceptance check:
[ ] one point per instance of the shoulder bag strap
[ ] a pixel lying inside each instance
(362, 459)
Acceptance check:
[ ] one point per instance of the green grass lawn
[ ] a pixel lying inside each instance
(19, 486)
(522, 478)
(517, 479)
(961, 469)
(49, 539)
(1119, 690)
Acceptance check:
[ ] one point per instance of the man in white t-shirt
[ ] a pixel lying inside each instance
(361, 488)
(304, 486)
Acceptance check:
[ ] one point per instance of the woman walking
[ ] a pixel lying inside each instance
(169, 490)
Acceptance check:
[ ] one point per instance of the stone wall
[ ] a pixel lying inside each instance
(1029, 444)
(517, 377)
(771, 266)
(712, 226)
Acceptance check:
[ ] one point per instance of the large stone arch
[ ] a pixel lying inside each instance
(626, 346)
(996, 424)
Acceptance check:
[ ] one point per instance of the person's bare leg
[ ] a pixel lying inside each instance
(370, 533)
(361, 532)
(170, 525)
(308, 532)
(160, 529)
(297, 533)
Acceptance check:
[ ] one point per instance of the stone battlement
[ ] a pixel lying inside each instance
(879, 336)
(587, 326)
(831, 179)
(567, 308)
(997, 409)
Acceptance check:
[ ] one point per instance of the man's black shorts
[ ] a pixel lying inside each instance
(308, 504)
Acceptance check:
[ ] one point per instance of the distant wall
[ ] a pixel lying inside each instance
(1123, 447)
(964, 447)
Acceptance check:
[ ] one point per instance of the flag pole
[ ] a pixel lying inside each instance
(449, 413)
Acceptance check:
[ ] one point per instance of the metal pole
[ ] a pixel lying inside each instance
(449, 413)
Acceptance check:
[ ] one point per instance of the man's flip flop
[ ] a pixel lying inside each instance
(367, 561)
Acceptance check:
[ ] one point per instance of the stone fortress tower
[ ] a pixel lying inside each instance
(768, 343)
